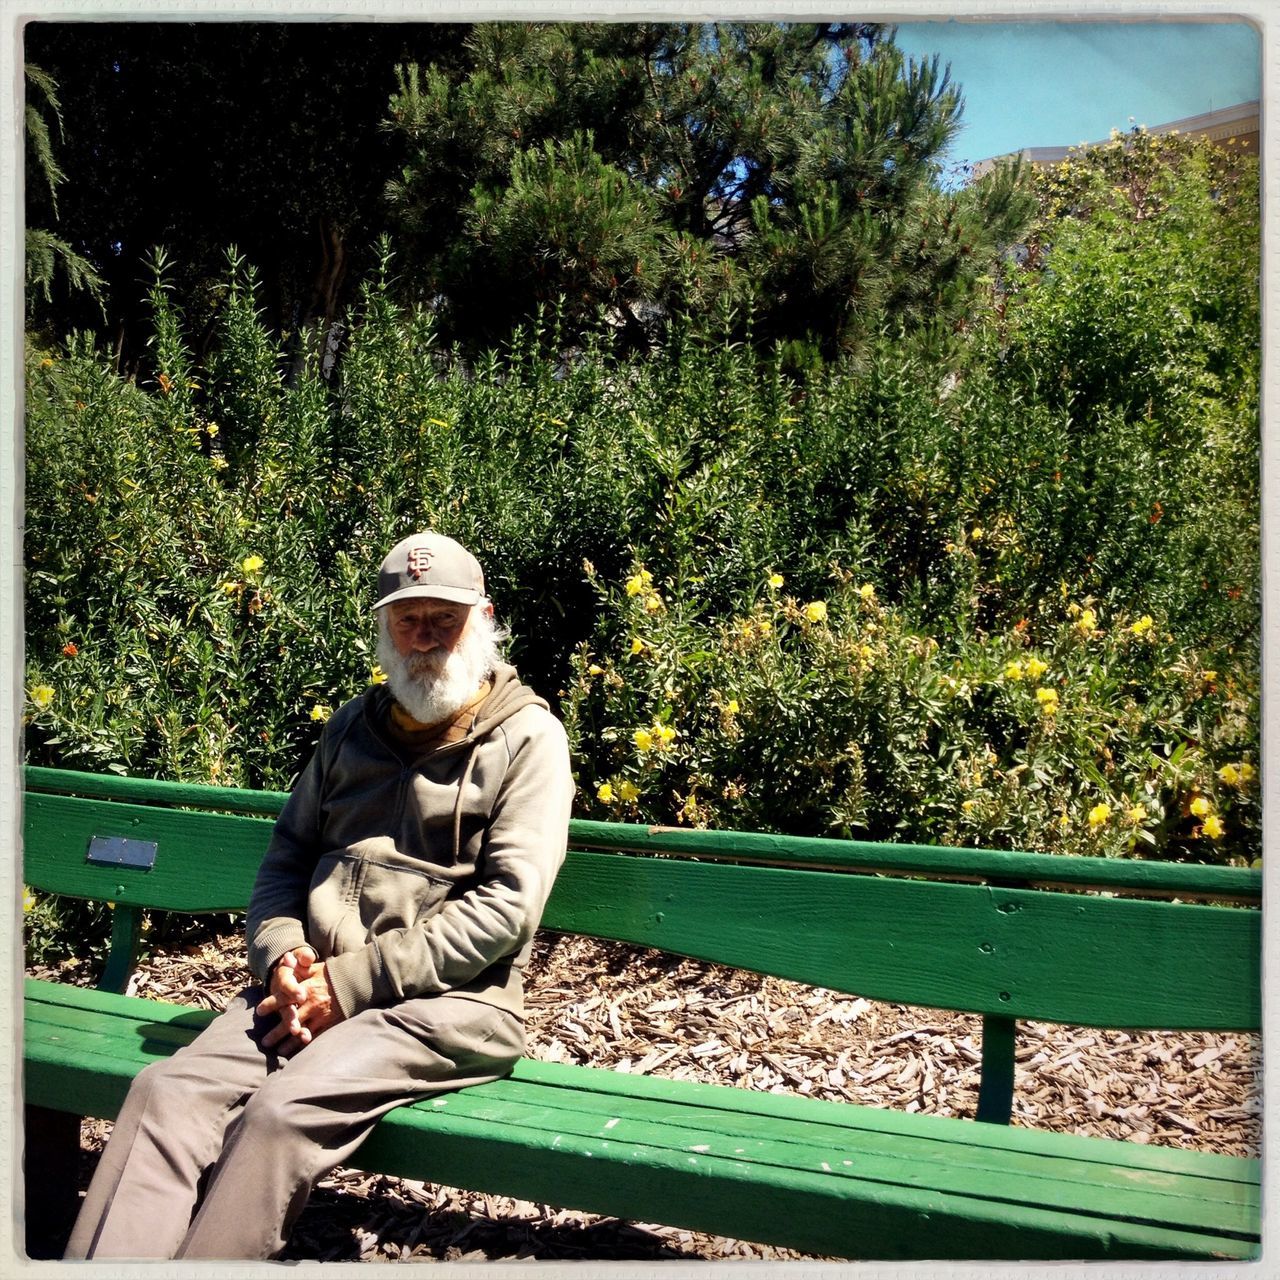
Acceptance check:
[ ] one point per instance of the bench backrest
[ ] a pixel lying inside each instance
(1085, 941)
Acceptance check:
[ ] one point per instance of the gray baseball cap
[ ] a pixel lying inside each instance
(432, 566)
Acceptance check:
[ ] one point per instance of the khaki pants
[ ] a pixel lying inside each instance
(267, 1128)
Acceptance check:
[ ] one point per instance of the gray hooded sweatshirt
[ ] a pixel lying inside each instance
(415, 875)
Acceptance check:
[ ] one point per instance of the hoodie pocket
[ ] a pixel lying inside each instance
(366, 889)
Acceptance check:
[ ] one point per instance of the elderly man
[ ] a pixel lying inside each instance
(390, 922)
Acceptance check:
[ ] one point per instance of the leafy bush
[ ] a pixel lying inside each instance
(200, 544)
(1072, 731)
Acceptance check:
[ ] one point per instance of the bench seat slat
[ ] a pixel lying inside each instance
(61, 1005)
(846, 1217)
(734, 1113)
(687, 1121)
(842, 1149)
(827, 1124)
(1052, 1183)
(891, 1120)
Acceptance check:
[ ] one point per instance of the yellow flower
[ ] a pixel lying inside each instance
(251, 564)
(231, 587)
(1213, 827)
(816, 611)
(867, 652)
(28, 900)
(637, 645)
(1013, 671)
(1143, 625)
(652, 603)
(1048, 700)
(42, 695)
(628, 791)
(321, 711)
(1246, 772)
(1086, 622)
(219, 464)
(595, 669)
(1099, 815)
(212, 429)
(604, 793)
(1035, 668)
(664, 733)
(643, 739)
(764, 626)
(1137, 813)
(731, 707)
(1230, 775)
(378, 676)
(639, 582)
(775, 580)
(1200, 807)
(967, 805)
(976, 533)
(867, 591)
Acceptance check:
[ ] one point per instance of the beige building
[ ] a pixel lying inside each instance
(1237, 127)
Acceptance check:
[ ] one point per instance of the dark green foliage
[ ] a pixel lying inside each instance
(196, 136)
(49, 258)
(1018, 605)
(655, 170)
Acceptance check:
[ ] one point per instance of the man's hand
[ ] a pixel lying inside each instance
(300, 993)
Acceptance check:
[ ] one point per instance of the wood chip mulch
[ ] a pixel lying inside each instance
(629, 1009)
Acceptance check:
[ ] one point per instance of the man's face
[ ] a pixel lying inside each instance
(426, 625)
(435, 654)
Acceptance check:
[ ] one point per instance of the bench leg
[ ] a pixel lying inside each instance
(51, 1176)
(995, 1092)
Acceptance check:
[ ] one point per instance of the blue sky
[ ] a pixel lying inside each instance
(1056, 84)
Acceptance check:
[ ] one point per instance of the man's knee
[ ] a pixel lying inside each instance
(161, 1084)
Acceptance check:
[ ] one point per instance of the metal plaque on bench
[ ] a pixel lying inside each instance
(116, 851)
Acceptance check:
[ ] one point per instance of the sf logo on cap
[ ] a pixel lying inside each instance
(419, 561)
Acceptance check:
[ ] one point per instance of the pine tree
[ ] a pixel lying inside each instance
(48, 256)
(663, 171)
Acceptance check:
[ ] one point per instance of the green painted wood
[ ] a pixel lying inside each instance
(110, 786)
(1118, 875)
(136, 1028)
(847, 1127)
(126, 933)
(204, 861)
(116, 1020)
(929, 860)
(988, 1173)
(1005, 952)
(995, 1092)
(841, 1217)
(614, 1168)
(1008, 952)
(964, 1133)
(834, 1130)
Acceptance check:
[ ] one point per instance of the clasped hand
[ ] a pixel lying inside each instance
(300, 993)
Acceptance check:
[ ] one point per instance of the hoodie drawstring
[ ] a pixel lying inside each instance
(462, 787)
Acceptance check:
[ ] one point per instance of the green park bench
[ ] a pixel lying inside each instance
(1078, 941)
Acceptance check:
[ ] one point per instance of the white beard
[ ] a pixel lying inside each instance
(434, 686)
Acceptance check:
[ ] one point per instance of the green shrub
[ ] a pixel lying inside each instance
(1076, 730)
(200, 544)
